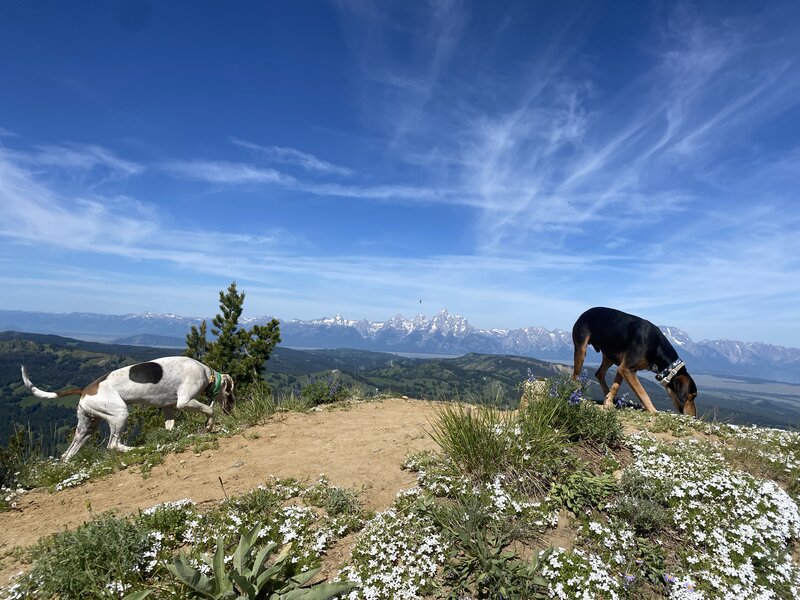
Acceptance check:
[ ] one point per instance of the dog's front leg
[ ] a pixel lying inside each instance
(195, 406)
(636, 386)
(169, 417)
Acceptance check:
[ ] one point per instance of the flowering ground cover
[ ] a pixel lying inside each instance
(675, 508)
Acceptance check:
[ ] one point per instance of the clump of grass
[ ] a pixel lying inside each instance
(253, 406)
(291, 402)
(468, 436)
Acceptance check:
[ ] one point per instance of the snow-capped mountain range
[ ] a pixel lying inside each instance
(442, 334)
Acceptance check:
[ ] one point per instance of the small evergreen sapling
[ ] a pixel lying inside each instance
(237, 351)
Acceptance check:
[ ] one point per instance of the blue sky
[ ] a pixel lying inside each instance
(514, 162)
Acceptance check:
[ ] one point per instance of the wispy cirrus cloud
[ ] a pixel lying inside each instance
(227, 172)
(292, 156)
(81, 158)
(545, 150)
(236, 173)
(39, 215)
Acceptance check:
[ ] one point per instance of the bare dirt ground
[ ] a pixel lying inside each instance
(359, 446)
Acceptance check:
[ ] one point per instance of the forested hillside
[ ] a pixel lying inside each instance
(55, 363)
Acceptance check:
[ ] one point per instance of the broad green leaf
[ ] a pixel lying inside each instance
(223, 584)
(323, 591)
(140, 595)
(261, 557)
(247, 587)
(192, 577)
(302, 578)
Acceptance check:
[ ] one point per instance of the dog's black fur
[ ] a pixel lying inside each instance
(632, 344)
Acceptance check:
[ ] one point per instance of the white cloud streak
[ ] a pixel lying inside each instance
(292, 156)
(82, 158)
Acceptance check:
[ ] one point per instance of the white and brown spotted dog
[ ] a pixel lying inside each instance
(168, 383)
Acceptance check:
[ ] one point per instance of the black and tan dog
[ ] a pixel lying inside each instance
(632, 344)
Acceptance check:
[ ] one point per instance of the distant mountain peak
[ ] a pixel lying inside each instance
(444, 333)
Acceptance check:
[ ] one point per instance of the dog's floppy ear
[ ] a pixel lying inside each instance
(226, 393)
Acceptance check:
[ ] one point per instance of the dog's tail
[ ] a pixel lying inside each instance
(43, 394)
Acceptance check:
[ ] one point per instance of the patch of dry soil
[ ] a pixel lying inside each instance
(359, 446)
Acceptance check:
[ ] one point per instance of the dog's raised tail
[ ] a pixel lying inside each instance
(43, 394)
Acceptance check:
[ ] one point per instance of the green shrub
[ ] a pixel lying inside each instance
(642, 504)
(94, 561)
(324, 390)
(565, 408)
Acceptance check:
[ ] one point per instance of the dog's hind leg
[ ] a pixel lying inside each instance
(115, 412)
(608, 394)
(580, 355)
(87, 424)
(116, 424)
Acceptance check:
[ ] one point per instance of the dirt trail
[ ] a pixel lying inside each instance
(360, 446)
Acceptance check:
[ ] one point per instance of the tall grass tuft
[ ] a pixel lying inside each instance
(484, 442)
(254, 406)
(468, 436)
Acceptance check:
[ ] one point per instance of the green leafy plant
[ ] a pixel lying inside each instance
(643, 505)
(563, 408)
(324, 390)
(251, 577)
(480, 563)
(582, 490)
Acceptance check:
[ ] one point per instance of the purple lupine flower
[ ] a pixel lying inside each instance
(575, 397)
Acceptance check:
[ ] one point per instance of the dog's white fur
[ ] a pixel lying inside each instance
(181, 380)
